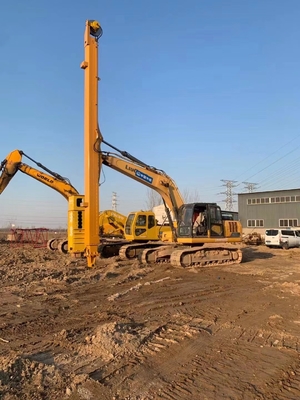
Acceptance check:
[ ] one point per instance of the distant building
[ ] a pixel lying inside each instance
(259, 211)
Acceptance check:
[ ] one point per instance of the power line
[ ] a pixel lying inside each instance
(274, 162)
(270, 155)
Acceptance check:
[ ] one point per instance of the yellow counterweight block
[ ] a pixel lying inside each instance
(76, 225)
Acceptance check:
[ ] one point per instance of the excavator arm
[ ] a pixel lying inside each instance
(9, 167)
(149, 176)
(153, 178)
(13, 163)
(111, 223)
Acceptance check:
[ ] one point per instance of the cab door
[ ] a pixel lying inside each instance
(145, 227)
(214, 220)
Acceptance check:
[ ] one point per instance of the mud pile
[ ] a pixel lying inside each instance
(33, 380)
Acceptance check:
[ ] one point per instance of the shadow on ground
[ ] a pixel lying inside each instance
(253, 253)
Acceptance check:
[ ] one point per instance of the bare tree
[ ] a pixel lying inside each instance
(153, 199)
(190, 196)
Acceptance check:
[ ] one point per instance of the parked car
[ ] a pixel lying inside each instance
(284, 238)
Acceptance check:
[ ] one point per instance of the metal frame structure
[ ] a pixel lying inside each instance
(38, 237)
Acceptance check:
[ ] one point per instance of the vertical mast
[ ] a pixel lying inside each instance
(92, 136)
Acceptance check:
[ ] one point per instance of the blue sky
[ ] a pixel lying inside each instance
(205, 90)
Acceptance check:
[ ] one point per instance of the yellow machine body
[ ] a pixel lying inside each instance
(111, 223)
(76, 223)
(142, 226)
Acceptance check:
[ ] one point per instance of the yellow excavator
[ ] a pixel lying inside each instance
(137, 226)
(215, 241)
(200, 232)
(140, 229)
(111, 223)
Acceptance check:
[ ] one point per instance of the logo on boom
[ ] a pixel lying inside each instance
(140, 174)
(45, 178)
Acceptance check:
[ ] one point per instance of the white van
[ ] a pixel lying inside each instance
(284, 238)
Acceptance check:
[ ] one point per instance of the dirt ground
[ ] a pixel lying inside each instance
(124, 331)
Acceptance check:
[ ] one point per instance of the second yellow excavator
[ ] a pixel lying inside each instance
(112, 224)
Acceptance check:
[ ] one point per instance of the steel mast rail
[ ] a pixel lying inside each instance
(92, 162)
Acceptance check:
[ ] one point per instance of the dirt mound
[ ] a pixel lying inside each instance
(23, 378)
(111, 340)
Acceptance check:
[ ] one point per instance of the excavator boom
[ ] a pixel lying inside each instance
(64, 188)
(13, 163)
(149, 176)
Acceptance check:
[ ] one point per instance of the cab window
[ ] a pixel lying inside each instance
(151, 221)
(142, 220)
(215, 215)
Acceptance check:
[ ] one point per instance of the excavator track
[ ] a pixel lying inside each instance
(208, 255)
(157, 255)
(131, 251)
(110, 248)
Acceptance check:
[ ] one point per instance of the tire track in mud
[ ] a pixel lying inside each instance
(186, 337)
(194, 375)
(287, 386)
(264, 338)
(171, 297)
(159, 363)
(160, 340)
(178, 297)
(197, 363)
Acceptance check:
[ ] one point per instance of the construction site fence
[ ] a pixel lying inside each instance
(36, 237)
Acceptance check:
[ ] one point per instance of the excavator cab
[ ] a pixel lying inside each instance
(200, 220)
(141, 226)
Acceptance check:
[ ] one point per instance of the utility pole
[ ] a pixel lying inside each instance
(114, 202)
(250, 187)
(229, 194)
